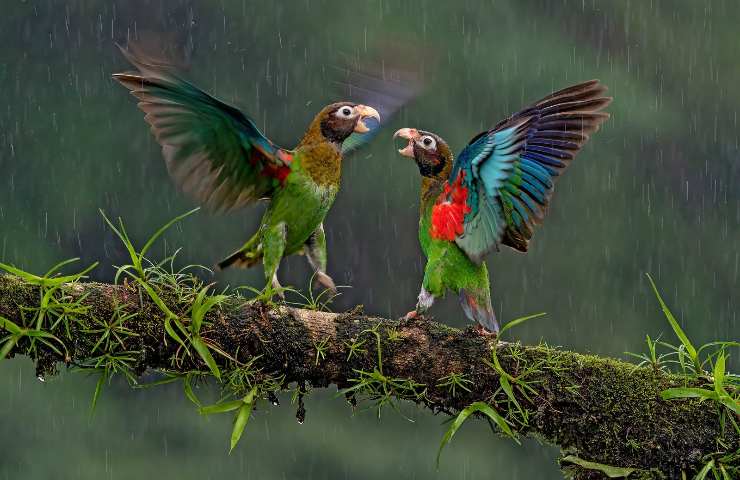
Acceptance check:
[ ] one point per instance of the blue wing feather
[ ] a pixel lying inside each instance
(510, 170)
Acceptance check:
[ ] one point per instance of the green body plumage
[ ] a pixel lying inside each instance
(301, 205)
(448, 267)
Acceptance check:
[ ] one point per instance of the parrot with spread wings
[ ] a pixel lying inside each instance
(215, 153)
(494, 193)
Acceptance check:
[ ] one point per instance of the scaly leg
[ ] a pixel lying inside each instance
(431, 287)
(273, 244)
(315, 250)
(423, 303)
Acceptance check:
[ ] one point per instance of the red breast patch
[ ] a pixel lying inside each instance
(448, 214)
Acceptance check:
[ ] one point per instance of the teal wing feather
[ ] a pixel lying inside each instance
(508, 173)
(213, 151)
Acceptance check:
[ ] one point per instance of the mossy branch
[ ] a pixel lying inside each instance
(599, 411)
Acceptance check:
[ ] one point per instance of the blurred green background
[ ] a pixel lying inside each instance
(656, 190)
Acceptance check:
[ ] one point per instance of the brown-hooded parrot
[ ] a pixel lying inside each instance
(215, 153)
(495, 191)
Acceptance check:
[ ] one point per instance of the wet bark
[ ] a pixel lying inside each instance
(599, 409)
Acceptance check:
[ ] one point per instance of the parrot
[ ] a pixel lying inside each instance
(494, 193)
(216, 154)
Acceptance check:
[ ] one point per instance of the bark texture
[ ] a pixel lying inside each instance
(599, 409)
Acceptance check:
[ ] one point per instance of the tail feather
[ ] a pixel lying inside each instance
(478, 308)
(239, 259)
(246, 257)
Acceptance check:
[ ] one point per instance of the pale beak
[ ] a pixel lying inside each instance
(365, 112)
(410, 134)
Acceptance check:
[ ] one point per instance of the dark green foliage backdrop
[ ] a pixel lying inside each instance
(655, 191)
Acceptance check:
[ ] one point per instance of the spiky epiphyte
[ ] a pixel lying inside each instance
(495, 192)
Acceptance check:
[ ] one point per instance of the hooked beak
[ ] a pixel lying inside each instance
(365, 112)
(410, 134)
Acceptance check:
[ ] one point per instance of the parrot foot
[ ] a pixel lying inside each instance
(326, 281)
(483, 331)
(277, 288)
(412, 315)
(272, 289)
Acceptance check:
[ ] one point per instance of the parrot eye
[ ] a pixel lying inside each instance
(345, 112)
(428, 142)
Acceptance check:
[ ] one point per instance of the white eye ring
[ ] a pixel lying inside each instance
(345, 112)
(427, 142)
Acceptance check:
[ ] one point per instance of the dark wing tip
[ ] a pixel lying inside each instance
(147, 64)
(132, 81)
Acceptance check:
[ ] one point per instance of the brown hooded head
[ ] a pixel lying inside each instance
(430, 151)
(338, 121)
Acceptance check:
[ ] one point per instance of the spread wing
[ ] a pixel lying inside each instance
(213, 151)
(505, 177)
(381, 82)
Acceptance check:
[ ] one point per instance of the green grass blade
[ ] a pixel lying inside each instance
(487, 410)
(674, 324)
(8, 346)
(60, 265)
(519, 321)
(726, 344)
(163, 381)
(687, 392)
(10, 326)
(205, 354)
(188, 388)
(730, 403)
(156, 298)
(509, 391)
(719, 375)
(50, 345)
(76, 276)
(163, 229)
(28, 277)
(608, 470)
(725, 475)
(705, 470)
(719, 385)
(242, 418)
(126, 242)
(195, 317)
(98, 391)
(201, 306)
(42, 334)
(169, 314)
(172, 333)
(481, 407)
(221, 407)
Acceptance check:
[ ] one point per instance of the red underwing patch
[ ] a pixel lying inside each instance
(448, 214)
(277, 170)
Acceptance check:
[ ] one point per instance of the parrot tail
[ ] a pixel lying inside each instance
(247, 256)
(477, 307)
(239, 259)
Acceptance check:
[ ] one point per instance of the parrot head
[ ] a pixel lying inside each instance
(340, 120)
(431, 153)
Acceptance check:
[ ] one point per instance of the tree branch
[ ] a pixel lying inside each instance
(597, 409)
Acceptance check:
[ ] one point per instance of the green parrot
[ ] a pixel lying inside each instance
(215, 153)
(495, 192)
